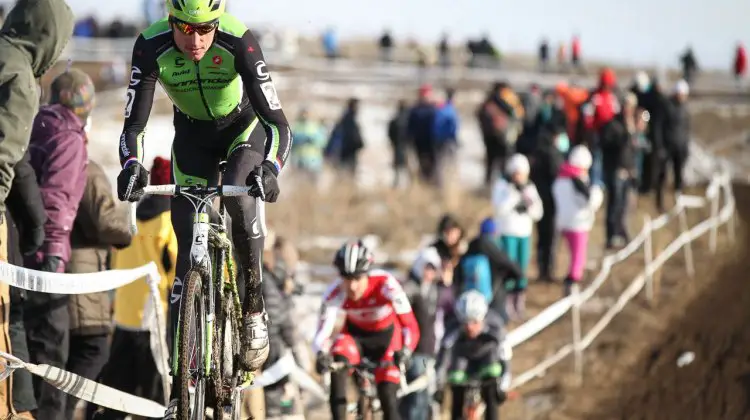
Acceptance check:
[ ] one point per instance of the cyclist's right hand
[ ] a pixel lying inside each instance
(131, 181)
(323, 362)
(439, 396)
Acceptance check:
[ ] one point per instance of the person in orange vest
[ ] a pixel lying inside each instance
(573, 97)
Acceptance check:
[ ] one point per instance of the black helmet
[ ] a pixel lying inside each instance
(353, 258)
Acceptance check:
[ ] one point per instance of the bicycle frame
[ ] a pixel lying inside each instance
(205, 233)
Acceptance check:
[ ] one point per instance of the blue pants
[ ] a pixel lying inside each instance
(416, 406)
(518, 250)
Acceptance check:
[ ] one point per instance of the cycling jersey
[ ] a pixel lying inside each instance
(383, 304)
(212, 89)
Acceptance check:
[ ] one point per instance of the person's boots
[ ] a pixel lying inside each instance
(568, 286)
(254, 341)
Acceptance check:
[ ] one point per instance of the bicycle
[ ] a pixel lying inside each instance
(474, 406)
(367, 401)
(199, 323)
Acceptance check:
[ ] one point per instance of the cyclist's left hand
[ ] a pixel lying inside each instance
(402, 356)
(501, 394)
(263, 181)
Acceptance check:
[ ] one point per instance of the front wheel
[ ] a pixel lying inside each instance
(192, 355)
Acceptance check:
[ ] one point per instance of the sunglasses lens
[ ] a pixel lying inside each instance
(201, 29)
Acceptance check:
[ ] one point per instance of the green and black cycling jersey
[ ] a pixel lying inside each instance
(232, 70)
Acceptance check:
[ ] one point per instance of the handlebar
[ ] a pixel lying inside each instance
(204, 192)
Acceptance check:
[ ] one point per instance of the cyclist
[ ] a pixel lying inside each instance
(379, 326)
(475, 350)
(225, 108)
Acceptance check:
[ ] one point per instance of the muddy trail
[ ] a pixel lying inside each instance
(632, 373)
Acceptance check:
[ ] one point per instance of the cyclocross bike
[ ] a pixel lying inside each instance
(367, 404)
(206, 348)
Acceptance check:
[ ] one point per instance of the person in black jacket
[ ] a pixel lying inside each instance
(503, 268)
(545, 166)
(26, 217)
(657, 106)
(676, 141)
(398, 134)
(346, 139)
(422, 290)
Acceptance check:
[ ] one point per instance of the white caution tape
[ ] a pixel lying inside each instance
(86, 389)
(71, 284)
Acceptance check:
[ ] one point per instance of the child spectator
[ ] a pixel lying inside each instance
(517, 206)
(576, 202)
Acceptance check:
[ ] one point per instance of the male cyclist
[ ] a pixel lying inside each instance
(475, 350)
(225, 108)
(379, 326)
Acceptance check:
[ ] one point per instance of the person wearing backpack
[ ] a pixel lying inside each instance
(485, 267)
(517, 207)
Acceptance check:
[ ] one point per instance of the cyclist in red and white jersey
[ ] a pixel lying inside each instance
(379, 326)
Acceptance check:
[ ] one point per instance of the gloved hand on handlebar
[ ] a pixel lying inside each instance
(131, 181)
(501, 394)
(402, 357)
(323, 362)
(263, 182)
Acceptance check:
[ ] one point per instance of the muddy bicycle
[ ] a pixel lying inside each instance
(205, 357)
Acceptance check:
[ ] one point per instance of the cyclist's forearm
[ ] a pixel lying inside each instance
(131, 146)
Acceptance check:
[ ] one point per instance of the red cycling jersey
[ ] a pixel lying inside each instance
(383, 304)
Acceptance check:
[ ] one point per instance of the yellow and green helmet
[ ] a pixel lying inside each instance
(196, 11)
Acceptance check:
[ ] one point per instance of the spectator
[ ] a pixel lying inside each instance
(58, 154)
(641, 85)
(618, 162)
(532, 102)
(598, 113)
(676, 141)
(575, 52)
(562, 60)
(346, 139)
(544, 55)
(445, 135)
(309, 144)
(2, 14)
(689, 65)
(330, 44)
(485, 267)
(86, 28)
(25, 219)
(34, 35)
(496, 119)
(740, 62)
(517, 206)
(657, 106)
(547, 158)
(444, 50)
(576, 201)
(131, 367)
(386, 46)
(99, 225)
(422, 290)
(448, 246)
(489, 55)
(573, 97)
(398, 134)
(421, 128)
(638, 131)
(282, 397)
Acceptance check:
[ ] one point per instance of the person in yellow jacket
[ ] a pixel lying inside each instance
(131, 367)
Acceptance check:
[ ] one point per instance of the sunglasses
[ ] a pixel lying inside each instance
(190, 28)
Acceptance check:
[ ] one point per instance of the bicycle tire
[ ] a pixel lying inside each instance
(224, 355)
(192, 326)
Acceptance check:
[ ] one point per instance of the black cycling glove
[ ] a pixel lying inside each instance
(323, 362)
(32, 240)
(50, 264)
(263, 181)
(402, 357)
(131, 181)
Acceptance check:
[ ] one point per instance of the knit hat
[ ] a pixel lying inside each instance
(488, 226)
(517, 163)
(580, 157)
(161, 171)
(74, 89)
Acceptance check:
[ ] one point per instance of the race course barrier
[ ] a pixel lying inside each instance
(719, 184)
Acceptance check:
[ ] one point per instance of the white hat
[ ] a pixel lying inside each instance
(580, 157)
(642, 81)
(427, 256)
(517, 163)
(682, 87)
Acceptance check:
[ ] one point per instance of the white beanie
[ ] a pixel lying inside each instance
(517, 163)
(642, 81)
(580, 157)
(426, 256)
(682, 87)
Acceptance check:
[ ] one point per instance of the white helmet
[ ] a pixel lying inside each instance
(580, 157)
(517, 163)
(471, 306)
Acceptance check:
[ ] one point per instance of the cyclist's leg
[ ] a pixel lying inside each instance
(243, 154)
(344, 348)
(388, 376)
(457, 376)
(489, 368)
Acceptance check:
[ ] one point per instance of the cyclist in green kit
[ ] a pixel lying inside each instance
(225, 108)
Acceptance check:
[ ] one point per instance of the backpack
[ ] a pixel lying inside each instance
(477, 275)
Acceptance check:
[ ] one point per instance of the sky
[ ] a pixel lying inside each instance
(629, 32)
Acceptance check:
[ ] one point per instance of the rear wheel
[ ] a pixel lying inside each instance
(191, 367)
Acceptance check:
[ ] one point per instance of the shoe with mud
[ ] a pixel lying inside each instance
(254, 350)
(171, 413)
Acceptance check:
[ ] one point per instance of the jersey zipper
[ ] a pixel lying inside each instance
(200, 90)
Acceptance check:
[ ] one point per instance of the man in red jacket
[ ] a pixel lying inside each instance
(740, 62)
(58, 155)
(597, 113)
